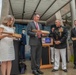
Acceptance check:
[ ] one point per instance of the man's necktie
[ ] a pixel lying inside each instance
(37, 27)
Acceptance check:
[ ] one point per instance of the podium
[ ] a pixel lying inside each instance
(45, 60)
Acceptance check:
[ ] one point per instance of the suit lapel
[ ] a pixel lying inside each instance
(39, 26)
(34, 24)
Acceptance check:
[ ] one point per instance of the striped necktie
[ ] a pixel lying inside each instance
(37, 27)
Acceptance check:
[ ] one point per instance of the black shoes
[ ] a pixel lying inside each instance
(40, 72)
(54, 70)
(75, 67)
(65, 70)
(35, 72)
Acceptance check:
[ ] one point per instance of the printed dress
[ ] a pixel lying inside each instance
(6, 46)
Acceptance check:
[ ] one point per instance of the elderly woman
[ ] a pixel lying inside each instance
(6, 45)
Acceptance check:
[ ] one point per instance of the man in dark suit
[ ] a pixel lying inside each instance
(35, 44)
(73, 36)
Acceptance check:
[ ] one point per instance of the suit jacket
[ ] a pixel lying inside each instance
(62, 38)
(34, 40)
(73, 34)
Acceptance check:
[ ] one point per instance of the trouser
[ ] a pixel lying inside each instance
(36, 52)
(59, 52)
(74, 50)
(22, 52)
(52, 54)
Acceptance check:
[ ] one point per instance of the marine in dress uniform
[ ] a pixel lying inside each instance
(60, 36)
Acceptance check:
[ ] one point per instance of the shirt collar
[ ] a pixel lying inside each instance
(35, 22)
